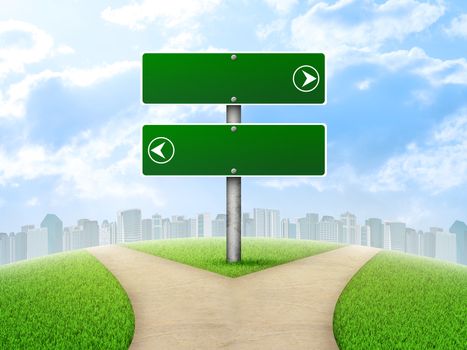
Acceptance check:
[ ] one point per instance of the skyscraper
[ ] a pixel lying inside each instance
(428, 242)
(89, 233)
(248, 225)
(67, 238)
(445, 246)
(54, 228)
(129, 225)
(157, 231)
(289, 229)
(273, 220)
(259, 216)
(4, 249)
(204, 225)
(412, 241)
(146, 228)
(219, 225)
(329, 229)
(26, 228)
(180, 227)
(397, 234)
(37, 242)
(165, 228)
(307, 227)
(349, 228)
(21, 246)
(12, 239)
(376, 232)
(365, 235)
(459, 228)
(107, 233)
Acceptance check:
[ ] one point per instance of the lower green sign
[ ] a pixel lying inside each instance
(234, 149)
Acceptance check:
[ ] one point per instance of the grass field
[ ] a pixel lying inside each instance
(398, 301)
(209, 253)
(64, 301)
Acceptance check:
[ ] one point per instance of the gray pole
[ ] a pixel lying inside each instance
(234, 198)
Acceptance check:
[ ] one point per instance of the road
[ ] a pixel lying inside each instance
(289, 306)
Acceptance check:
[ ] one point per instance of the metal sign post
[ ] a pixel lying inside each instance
(234, 197)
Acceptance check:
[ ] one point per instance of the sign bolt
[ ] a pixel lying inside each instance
(233, 57)
(233, 171)
(233, 99)
(233, 128)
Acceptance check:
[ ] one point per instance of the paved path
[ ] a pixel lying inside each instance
(285, 307)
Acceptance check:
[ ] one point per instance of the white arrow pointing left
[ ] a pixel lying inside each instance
(309, 78)
(158, 150)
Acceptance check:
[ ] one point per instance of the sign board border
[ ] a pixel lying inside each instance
(241, 176)
(234, 103)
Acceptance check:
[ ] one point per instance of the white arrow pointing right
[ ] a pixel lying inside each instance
(309, 78)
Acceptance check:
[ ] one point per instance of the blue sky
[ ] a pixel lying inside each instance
(71, 116)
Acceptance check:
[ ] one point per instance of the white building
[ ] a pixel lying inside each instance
(146, 229)
(37, 242)
(412, 241)
(129, 226)
(273, 223)
(445, 246)
(307, 227)
(396, 231)
(259, 216)
(329, 229)
(288, 229)
(349, 228)
(204, 225)
(219, 225)
(107, 233)
(365, 235)
(157, 231)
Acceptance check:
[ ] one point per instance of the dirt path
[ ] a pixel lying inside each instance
(286, 307)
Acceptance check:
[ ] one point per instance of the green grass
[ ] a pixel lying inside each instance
(398, 301)
(64, 301)
(209, 253)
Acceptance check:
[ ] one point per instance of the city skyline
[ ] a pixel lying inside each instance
(131, 226)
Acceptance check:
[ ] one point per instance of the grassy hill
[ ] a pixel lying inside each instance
(399, 301)
(70, 300)
(63, 301)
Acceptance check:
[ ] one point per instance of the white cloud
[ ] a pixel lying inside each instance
(324, 28)
(100, 164)
(458, 26)
(84, 77)
(138, 16)
(183, 41)
(438, 164)
(32, 202)
(337, 179)
(14, 58)
(364, 84)
(438, 72)
(263, 31)
(282, 6)
(65, 50)
(13, 101)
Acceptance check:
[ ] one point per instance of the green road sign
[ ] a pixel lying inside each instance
(243, 78)
(234, 149)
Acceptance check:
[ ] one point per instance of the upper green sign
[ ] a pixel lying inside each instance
(234, 150)
(236, 78)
